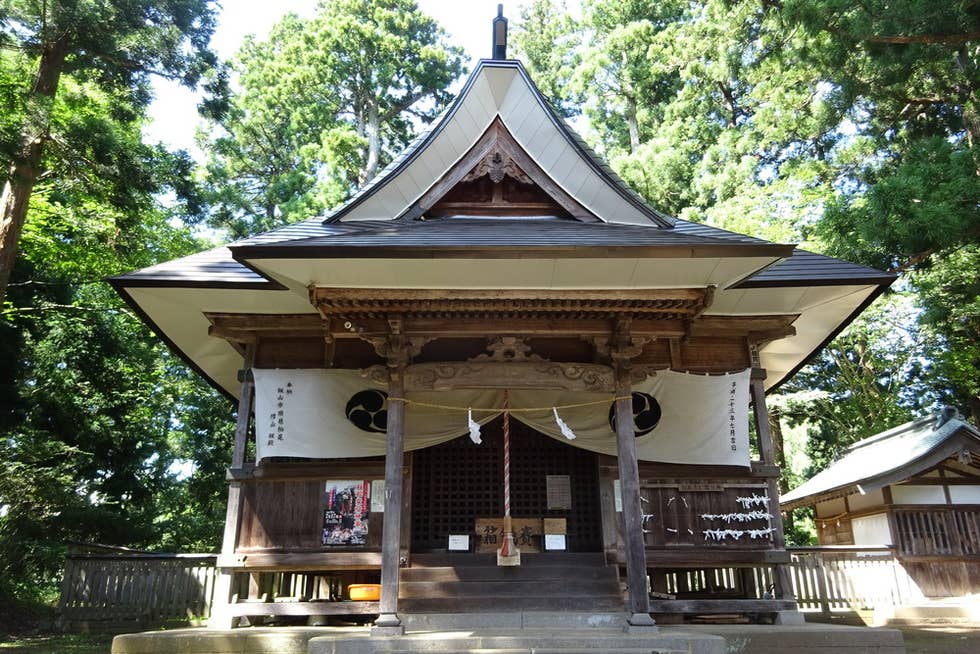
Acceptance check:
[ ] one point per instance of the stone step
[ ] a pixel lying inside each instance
(514, 620)
(938, 611)
(550, 650)
(529, 641)
(528, 559)
(492, 604)
(506, 573)
(568, 587)
(807, 638)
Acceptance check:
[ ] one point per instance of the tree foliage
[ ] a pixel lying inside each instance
(323, 103)
(877, 374)
(95, 414)
(848, 128)
(112, 46)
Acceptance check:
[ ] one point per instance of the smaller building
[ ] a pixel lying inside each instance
(915, 488)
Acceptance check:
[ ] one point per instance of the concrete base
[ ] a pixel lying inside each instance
(789, 618)
(690, 639)
(387, 631)
(251, 640)
(952, 611)
(805, 639)
(525, 641)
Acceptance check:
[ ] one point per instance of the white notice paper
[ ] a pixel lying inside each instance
(378, 496)
(554, 541)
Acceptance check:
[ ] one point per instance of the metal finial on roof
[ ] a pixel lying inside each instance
(500, 34)
(946, 414)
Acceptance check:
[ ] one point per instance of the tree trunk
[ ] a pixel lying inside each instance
(971, 112)
(779, 450)
(25, 166)
(373, 130)
(633, 125)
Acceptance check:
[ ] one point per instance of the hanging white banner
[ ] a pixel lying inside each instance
(331, 414)
(678, 417)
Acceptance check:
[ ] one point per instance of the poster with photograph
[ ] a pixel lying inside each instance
(346, 511)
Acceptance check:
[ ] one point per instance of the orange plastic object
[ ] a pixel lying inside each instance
(364, 592)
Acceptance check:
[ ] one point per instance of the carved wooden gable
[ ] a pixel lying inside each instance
(497, 178)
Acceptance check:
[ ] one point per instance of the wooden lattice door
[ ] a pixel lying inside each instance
(457, 482)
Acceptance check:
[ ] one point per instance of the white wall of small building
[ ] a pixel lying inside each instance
(872, 530)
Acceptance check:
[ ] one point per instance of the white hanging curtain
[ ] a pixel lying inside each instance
(338, 413)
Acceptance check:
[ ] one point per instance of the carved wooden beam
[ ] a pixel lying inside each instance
(509, 365)
(241, 329)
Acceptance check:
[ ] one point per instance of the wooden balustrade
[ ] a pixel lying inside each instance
(156, 588)
(850, 578)
(116, 586)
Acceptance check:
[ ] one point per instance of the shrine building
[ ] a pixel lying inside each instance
(498, 380)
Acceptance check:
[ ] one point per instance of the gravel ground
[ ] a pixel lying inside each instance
(942, 639)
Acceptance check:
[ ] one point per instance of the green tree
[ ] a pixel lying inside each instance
(115, 45)
(848, 128)
(322, 104)
(874, 376)
(93, 410)
(909, 186)
(549, 43)
(704, 110)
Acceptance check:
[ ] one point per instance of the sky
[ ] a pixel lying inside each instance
(173, 114)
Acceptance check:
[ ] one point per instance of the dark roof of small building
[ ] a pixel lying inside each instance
(887, 458)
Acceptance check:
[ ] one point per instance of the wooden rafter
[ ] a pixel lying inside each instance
(351, 304)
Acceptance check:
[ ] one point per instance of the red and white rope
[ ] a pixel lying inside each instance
(506, 456)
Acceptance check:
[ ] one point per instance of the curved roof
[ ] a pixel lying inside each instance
(369, 242)
(888, 457)
(500, 90)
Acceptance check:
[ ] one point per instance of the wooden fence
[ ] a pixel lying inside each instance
(850, 578)
(113, 584)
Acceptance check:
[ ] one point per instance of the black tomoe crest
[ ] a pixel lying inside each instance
(646, 414)
(368, 410)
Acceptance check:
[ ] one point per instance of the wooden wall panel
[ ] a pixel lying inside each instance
(704, 354)
(675, 516)
(656, 354)
(289, 353)
(287, 515)
(308, 352)
(836, 531)
(939, 579)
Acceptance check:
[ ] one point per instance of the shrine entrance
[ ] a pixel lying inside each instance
(456, 483)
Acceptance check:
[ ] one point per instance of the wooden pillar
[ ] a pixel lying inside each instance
(220, 616)
(388, 622)
(638, 610)
(781, 578)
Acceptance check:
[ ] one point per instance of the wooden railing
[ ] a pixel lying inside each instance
(938, 531)
(112, 584)
(850, 578)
